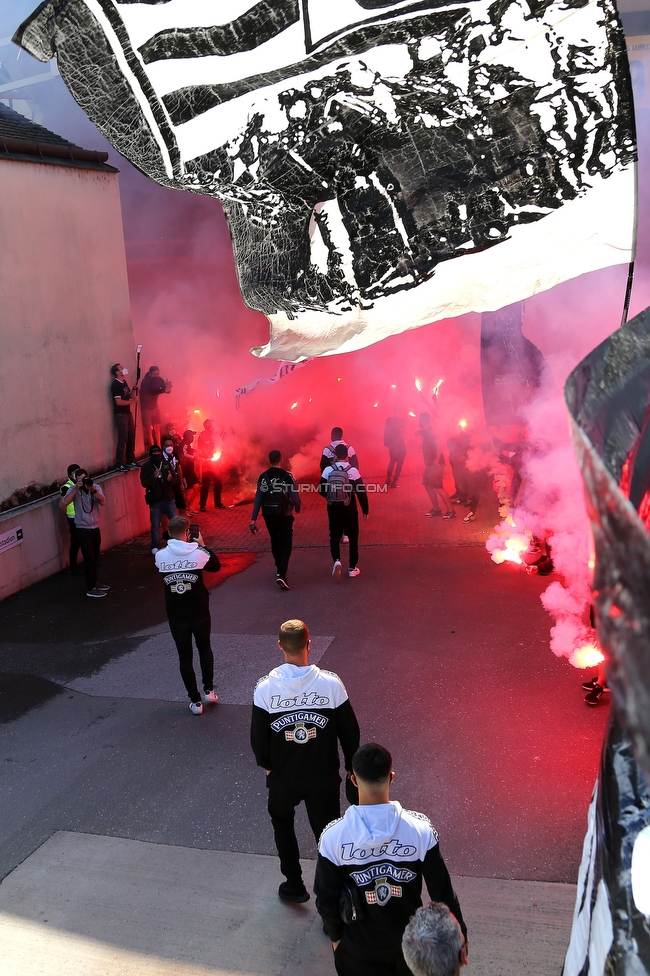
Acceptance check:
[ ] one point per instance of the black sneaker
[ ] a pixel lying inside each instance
(590, 685)
(282, 583)
(450, 514)
(594, 695)
(293, 893)
(433, 513)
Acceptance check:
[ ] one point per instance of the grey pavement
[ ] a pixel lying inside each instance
(100, 905)
(446, 660)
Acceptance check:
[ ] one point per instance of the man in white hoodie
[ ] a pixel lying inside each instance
(300, 714)
(376, 856)
(182, 564)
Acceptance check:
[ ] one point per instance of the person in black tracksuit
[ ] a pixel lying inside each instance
(182, 564)
(343, 516)
(277, 497)
(300, 714)
(376, 857)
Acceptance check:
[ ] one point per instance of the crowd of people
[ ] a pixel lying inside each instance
(373, 860)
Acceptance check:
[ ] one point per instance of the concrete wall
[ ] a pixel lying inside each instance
(46, 540)
(64, 319)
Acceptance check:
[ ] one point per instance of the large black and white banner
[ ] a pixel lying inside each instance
(382, 164)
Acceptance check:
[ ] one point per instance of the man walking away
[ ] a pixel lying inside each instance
(207, 449)
(329, 455)
(87, 497)
(277, 497)
(123, 396)
(375, 858)
(434, 467)
(300, 714)
(158, 479)
(394, 441)
(433, 943)
(182, 564)
(69, 513)
(150, 389)
(341, 484)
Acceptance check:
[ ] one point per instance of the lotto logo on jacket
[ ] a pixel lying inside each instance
(302, 706)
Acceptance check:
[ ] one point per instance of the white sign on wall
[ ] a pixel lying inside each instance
(13, 537)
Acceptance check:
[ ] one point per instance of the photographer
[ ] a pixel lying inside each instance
(86, 497)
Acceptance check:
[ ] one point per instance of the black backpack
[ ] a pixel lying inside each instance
(274, 497)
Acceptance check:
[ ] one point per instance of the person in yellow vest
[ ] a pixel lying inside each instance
(69, 514)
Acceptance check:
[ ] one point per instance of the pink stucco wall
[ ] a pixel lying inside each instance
(64, 319)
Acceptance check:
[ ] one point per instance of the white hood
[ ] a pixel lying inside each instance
(290, 686)
(179, 555)
(375, 824)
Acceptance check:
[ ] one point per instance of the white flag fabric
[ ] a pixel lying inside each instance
(381, 164)
(283, 370)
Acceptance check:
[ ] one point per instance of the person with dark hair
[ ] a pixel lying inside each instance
(87, 498)
(150, 389)
(394, 441)
(372, 861)
(123, 396)
(208, 452)
(182, 564)
(277, 497)
(190, 478)
(341, 484)
(434, 467)
(433, 943)
(171, 454)
(329, 455)
(69, 513)
(300, 714)
(159, 479)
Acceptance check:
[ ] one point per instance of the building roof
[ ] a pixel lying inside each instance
(22, 139)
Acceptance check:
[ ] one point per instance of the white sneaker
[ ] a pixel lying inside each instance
(210, 696)
(196, 708)
(336, 570)
(354, 572)
(344, 540)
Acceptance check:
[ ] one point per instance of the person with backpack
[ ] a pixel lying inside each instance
(329, 454)
(277, 497)
(341, 484)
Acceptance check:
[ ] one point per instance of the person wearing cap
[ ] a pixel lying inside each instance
(150, 389)
(191, 481)
(159, 480)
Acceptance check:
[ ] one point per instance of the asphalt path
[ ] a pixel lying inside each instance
(445, 657)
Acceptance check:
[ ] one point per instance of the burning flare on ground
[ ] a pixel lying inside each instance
(418, 386)
(508, 542)
(216, 456)
(587, 656)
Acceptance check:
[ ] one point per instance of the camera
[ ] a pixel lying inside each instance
(194, 532)
(87, 482)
